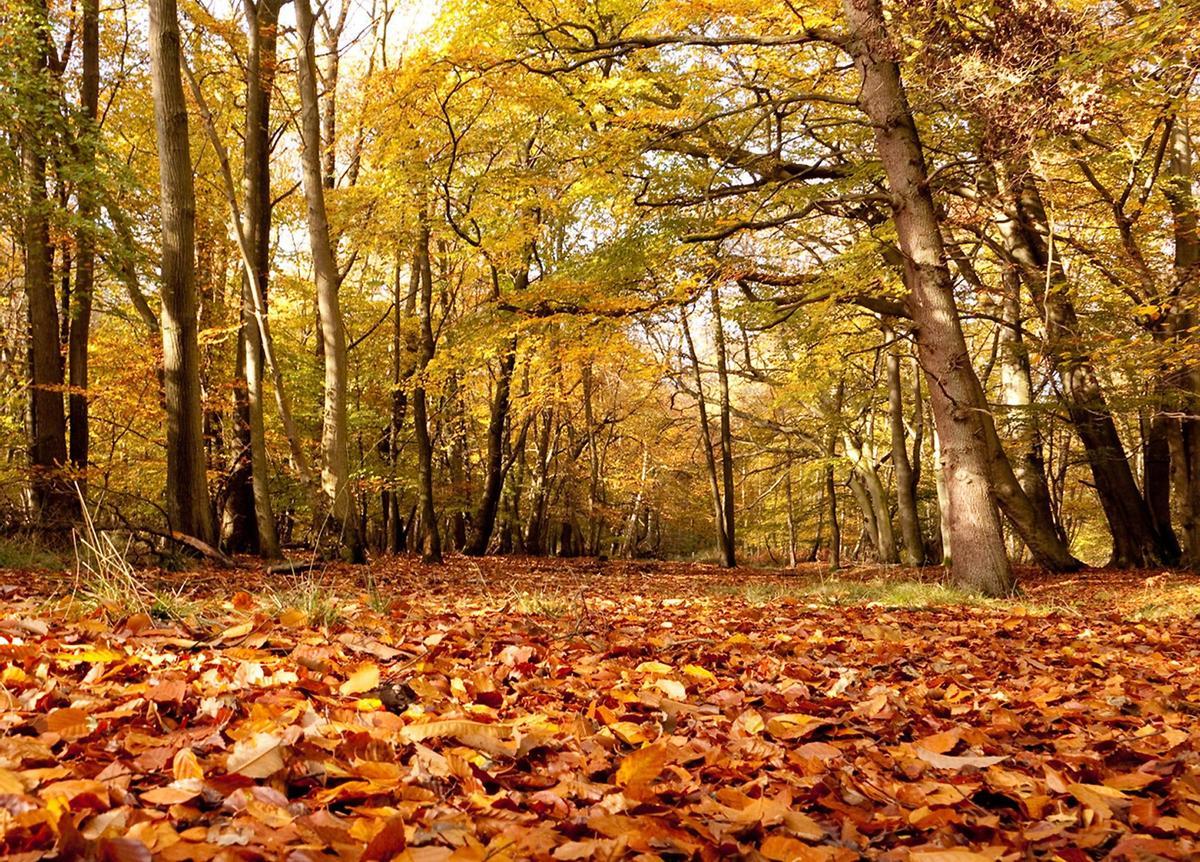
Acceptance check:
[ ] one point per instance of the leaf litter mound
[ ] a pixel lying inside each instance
(522, 709)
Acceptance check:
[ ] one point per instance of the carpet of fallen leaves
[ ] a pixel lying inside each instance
(524, 709)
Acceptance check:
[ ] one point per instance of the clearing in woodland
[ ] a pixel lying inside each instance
(533, 709)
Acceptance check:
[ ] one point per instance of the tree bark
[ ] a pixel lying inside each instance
(706, 442)
(187, 486)
(85, 242)
(1185, 432)
(729, 546)
(484, 521)
(52, 494)
(1016, 386)
(1025, 228)
(335, 467)
(980, 562)
(262, 21)
(431, 538)
(906, 488)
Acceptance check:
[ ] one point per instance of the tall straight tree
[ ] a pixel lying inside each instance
(85, 241)
(431, 537)
(262, 19)
(980, 561)
(187, 485)
(335, 467)
(51, 492)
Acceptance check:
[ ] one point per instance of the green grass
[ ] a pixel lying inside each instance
(315, 598)
(838, 591)
(24, 553)
(545, 603)
(1168, 603)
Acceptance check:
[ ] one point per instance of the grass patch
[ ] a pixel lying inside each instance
(24, 553)
(545, 603)
(838, 591)
(1168, 603)
(315, 598)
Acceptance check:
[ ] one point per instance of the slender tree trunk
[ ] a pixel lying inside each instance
(729, 540)
(187, 486)
(85, 242)
(485, 514)
(906, 488)
(980, 562)
(431, 539)
(1136, 542)
(335, 468)
(262, 21)
(1185, 433)
(706, 443)
(791, 521)
(589, 418)
(835, 526)
(875, 496)
(1017, 387)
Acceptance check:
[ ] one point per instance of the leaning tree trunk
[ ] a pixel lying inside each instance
(335, 468)
(1136, 542)
(980, 562)
(187, 486)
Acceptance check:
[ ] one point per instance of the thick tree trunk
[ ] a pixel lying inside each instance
(1136, 542)
(1044, 541)
(187, 486)
(335, 467)
(906, 486)
(53, 497)
(980, 562)
(431, 538)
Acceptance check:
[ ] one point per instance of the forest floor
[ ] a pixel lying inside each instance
(535, 709)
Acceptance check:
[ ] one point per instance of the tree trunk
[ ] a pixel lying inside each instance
(980, 562)
(335, 468)
(729, 542)
(485, 514)
(1136, 542)
(1016, 386)
(1185, 433)
(875, 496)
(906, 488)
(187, 486)
(431, 538)
(53, 497)
(791, 520)
(85, 242)
(261, 20)
(706, 443)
